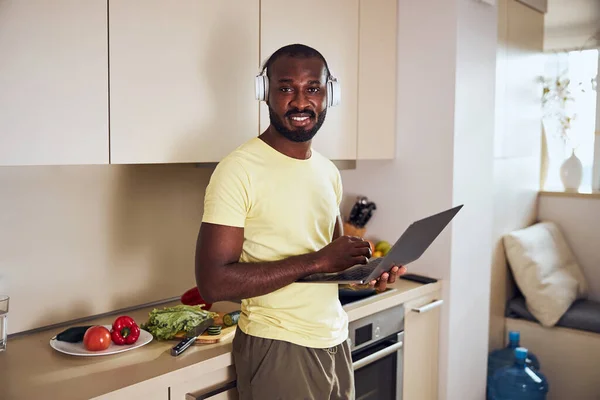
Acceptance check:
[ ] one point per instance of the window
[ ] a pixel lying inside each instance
(580, 70)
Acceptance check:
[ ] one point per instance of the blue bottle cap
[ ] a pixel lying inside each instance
(514, 336)
(521, 353)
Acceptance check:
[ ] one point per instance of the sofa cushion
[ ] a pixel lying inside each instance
(583, 315)
(545, 270)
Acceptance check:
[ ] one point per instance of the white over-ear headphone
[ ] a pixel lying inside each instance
(333, 88)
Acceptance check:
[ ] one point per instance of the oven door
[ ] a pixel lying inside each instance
(378, 369)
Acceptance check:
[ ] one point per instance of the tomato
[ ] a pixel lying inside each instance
(96, 338)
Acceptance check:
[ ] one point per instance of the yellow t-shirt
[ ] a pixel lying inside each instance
(287, 207)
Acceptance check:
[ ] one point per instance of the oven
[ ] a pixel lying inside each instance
(376, 343)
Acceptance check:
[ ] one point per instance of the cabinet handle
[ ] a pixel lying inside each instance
(428, 307)
(208, 395)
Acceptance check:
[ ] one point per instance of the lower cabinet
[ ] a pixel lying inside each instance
(216, 385)
(152, 389)
(190, 383)
(226, 392)
(421, 343)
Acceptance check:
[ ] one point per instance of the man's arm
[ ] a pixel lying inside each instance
(220, 275)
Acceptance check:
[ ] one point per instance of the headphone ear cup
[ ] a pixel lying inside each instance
(259, 88)
(333, 93)
(262, 87)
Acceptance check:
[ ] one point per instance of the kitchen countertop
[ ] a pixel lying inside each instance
(30, 368)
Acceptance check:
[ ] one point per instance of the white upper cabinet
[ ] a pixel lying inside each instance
(377, 80)
(182, 79)
(152, 81)
(53, 82)
(332, 29)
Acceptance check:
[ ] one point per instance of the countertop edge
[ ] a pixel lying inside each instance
(393, 299)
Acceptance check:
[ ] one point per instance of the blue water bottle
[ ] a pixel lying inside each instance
(505, 357)
(518, 382)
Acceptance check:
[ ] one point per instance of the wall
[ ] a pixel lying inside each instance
(444, 157)
(81, 240)
(578, 219)
(473, 185)
(572, 24)
(517, 139)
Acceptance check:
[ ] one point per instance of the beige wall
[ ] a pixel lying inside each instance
(572, 24)
(578, 219)
(81, 240)
(444, 156)
(473, 183)
(517, 142)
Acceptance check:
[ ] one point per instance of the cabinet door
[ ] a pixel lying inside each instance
(53, 82)
(377, 80)
(331, 27)
(227, 392)
(196, 384)
(421, 341)
(152, 389)
(182, 79)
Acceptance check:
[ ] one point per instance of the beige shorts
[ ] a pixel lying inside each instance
(272, 369)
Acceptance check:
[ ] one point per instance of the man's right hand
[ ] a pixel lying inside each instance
(343, 253)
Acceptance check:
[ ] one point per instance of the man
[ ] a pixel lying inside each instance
(271, 216)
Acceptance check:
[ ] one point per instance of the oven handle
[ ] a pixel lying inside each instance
(371, 358)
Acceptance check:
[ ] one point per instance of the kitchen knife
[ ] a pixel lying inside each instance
(355, 213)
(367, 214)
(191, 336)
(352, 218)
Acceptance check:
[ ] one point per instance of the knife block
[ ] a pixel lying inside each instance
(352, 230)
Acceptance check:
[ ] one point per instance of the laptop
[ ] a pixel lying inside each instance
(409, 247)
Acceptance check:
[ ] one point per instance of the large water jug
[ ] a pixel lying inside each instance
(518, 382)
(506, 357)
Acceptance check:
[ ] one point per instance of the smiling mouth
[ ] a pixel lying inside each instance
(299, 120)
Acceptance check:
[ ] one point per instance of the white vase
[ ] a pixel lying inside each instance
(571, 173)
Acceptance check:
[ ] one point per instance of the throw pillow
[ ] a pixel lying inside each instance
(545, 270)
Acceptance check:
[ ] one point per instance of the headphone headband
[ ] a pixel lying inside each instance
(332, 85)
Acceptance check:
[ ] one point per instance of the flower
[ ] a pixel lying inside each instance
(556, 96)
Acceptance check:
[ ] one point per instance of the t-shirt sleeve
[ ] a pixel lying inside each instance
(339, 189)
(227, 199)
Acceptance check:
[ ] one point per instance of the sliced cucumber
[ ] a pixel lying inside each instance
(231, 318)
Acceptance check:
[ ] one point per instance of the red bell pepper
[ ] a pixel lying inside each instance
(125, 331)
(192, 297)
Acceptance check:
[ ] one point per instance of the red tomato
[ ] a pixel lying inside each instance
(96, 338)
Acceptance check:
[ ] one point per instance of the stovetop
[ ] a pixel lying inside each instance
(348, 296)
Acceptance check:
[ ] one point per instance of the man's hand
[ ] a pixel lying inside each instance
(343, 253)
(387, 277)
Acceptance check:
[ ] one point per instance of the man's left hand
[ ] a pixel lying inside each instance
(380, 283)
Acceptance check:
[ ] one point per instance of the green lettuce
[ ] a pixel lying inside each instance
(165, 323)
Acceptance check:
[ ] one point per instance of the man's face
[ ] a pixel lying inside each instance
(297, 97)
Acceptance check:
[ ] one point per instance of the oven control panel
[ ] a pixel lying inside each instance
(375, 327)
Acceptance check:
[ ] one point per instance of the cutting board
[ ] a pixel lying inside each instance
(205, 338)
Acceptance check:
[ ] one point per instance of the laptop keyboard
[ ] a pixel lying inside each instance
(356, 273)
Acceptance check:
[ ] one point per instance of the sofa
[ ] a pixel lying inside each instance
(551, 310)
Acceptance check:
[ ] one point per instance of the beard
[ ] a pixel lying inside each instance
(300, 134)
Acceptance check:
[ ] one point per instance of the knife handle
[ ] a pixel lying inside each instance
(181, 346)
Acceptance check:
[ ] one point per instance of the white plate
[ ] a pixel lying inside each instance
(77, 349)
